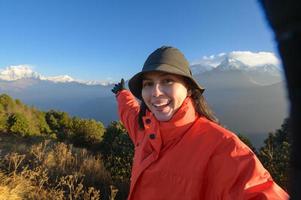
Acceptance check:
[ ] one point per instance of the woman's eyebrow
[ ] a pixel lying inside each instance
(164, 74)
(159, 75)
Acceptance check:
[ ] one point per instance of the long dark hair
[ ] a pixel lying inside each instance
(200, 105)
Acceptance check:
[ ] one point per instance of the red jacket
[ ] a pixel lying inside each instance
(191, 158)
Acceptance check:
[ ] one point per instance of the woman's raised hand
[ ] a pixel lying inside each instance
(118, 87)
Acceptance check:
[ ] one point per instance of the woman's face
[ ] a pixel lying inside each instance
(163, 94)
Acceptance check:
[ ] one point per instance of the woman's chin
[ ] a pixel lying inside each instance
(163, 117)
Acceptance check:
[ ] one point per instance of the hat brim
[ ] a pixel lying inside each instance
(135, 83)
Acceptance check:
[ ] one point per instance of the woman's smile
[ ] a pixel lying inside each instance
(161, 108)
(161, 104)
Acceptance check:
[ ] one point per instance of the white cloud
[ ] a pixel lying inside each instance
(15, 72)
(251, 59)
(255, 59)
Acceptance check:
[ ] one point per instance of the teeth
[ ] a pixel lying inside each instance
(157, 105)
(160, 104)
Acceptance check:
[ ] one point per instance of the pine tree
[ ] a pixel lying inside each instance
(18, 124)
(275, 154)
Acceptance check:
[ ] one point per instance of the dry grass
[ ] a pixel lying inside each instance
(50, 170)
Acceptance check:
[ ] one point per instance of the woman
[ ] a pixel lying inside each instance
(180, 150)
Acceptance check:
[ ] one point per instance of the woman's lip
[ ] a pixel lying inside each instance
(161, 105)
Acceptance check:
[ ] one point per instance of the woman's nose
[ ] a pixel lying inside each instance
(157, 90)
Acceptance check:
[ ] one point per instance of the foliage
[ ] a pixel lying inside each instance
(42, 124)
(18, 118)
(7, 102)
(87, 132)
(274, 155)
(18, 124)
(3, 120)
(51, 170)
(60, 123)
(117, 151)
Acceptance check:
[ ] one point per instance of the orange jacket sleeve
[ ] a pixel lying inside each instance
(236, 173)
(128, 109)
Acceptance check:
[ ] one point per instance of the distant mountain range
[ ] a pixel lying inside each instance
(13, 73)
(247, 96)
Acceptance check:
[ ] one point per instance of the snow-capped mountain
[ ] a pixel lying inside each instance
(261, 68)
(261, 62)
(58, 79)
(231, 64)
(17, 72)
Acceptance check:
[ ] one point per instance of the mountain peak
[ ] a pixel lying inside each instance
(61, 78)
(230, 63)
(239, 60)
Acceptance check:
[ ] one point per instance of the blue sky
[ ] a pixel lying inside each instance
(110, 39)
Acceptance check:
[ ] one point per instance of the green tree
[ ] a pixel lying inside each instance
(87, 132)
(275, 154)
(3, 119)
(60, 123)
(117, 150)
(7, 102)
(41, 123)
(18, 124)
(18, 102)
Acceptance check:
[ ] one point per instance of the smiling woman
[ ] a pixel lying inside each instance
(181, 152)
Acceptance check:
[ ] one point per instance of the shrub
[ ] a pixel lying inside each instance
(60, 123)
(50, 170)
(87, 132)
(3, 119)
(18, 124)
(7, 102)
(117, 150)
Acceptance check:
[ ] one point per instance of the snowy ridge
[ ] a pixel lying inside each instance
(262, 62)
(16, 72)
(58, 79)
(232, 64)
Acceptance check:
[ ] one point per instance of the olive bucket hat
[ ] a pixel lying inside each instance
(164, 59)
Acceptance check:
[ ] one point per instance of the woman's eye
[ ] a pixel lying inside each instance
(167, 81)
(147, 84)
